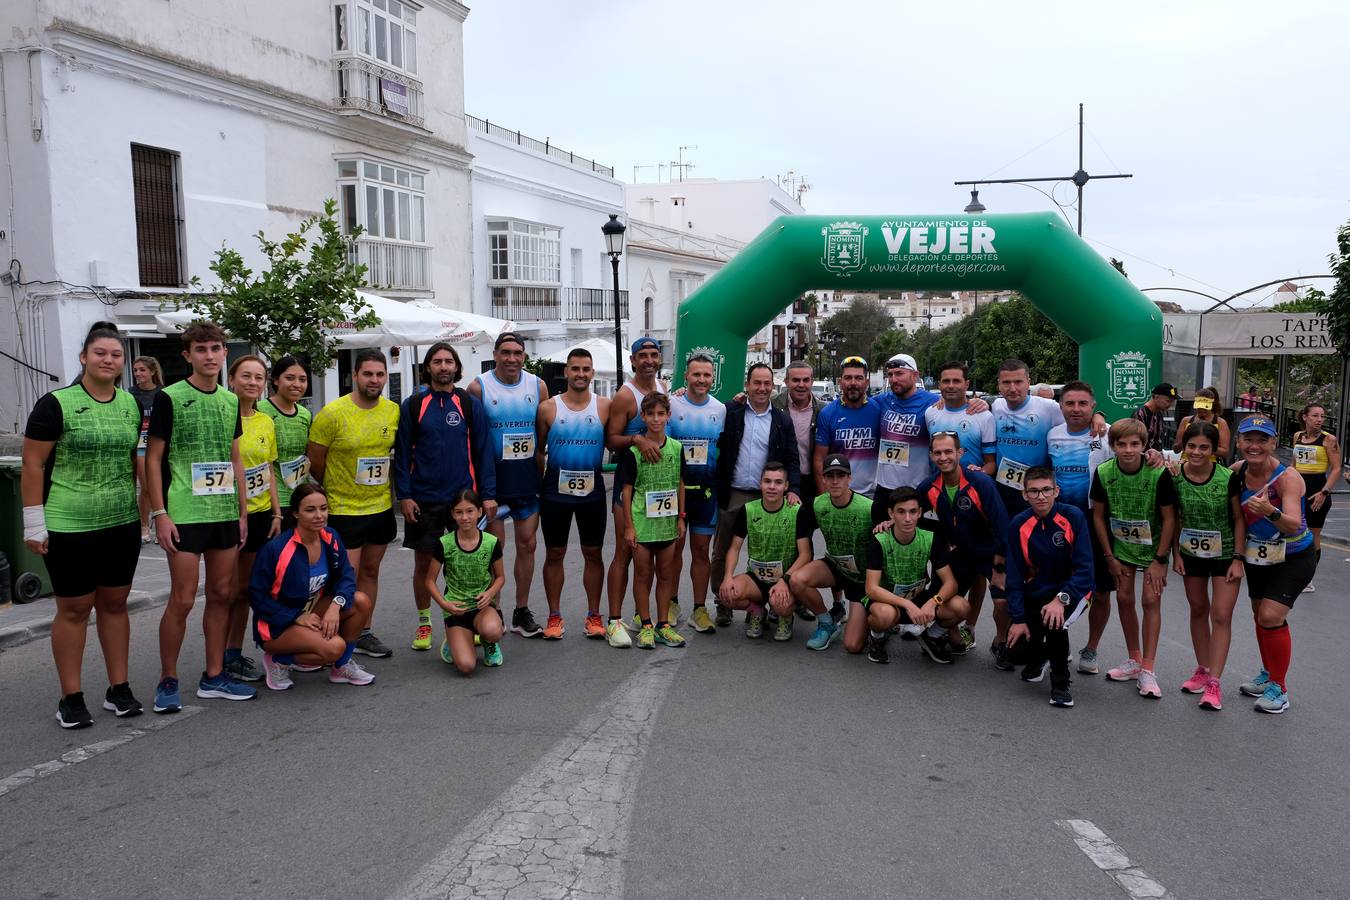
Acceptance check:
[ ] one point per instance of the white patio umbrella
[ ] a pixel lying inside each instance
(602, 355)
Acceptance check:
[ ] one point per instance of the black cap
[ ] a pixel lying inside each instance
(836, 462)
(508, 337)
(1165, 390)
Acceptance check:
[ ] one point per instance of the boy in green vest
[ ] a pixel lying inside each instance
(1134, 515)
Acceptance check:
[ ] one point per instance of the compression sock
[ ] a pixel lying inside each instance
(1277, 649)
(646, 623)
(346, 655)
(877, 635)
(837, 610)
(424, 616)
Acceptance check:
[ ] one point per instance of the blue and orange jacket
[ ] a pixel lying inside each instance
(977, 522)
(443, 445)
(1046, 556)
(278, 589)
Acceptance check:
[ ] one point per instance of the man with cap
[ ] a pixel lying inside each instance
(902, 445)
(1153, 415)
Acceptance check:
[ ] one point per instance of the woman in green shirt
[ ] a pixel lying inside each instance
(290, 418)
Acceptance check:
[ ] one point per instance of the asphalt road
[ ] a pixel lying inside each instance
(728, 768)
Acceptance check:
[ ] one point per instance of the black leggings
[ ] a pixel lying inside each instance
(1046, 644)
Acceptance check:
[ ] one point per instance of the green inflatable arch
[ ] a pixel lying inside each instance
(1118, 330)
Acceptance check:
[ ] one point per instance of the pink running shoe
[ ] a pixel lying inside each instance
(1213, 698)
(1127, 671)
(1148, 685)
(1196, 683)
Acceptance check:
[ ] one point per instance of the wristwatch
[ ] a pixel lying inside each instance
(1161, 559)
(1274, 515)
(1063, 597)
(340, 601)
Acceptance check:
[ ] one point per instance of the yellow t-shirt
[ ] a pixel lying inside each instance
(357, 472)
(258, 451)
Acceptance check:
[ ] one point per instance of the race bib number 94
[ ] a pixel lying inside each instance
(1132, 531)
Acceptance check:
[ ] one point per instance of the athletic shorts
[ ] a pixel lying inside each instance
(853, 590)
(81, 562)
(700, 509)
(1199, 567)
(517, 508)
(918, 599)
(966, 569)
(1316, 518)
(433, 520)
(199, 538)
(655, 546)
(462, 620)
(555, 521)
(1284, 582)
(259, 524)
(357, 531)
(1102, 578)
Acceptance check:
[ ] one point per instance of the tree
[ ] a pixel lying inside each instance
(1119, 266)
(1338, 303)
(850, 332)
(289, 306)
(1017, 329)
(1312, 301)
(889, 343)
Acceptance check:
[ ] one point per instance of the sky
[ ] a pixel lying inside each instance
(1232, 117)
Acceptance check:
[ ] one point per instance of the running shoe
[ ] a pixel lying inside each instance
(421, 640)
(351, 673)
(840, 613)
(673, 615)
(1196, 683)
(805, 614)
(166, 696)
(1257, 686)
(754, 626)
(908, 632)
(1060, 696)
(492, 654)
(667, 635)
(1033, 673)
(1087, 661)
(72, 713)
(1001, 661)
(277, 674)
(617, 635)
(937, 648)
(876, 650)
(1310, 589)
(646, 638)
(303, 667)
(724, 616)
(523, 623)
(1127, 671)
(822, 637)
(121, 702)
(1213, 698)
(223, 687)
(554, 630)
(375, 648)
(783, 631)
(967, 640)
(701, 621)
(243, 668)
(446, 657)
(1148, 685)
(1274, 700)
(594, 626)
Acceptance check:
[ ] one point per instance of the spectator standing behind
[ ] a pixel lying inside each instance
(1153, 414)
(1207, 408)
(803, 407)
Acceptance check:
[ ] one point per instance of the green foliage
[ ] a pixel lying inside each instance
(851, 332)
(1338, 302)
(889, 343)
(1119, 266)
(309, 283)
(1017, 329)
(1313, 301)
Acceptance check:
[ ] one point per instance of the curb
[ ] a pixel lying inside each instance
(36, 629)
(1335, 540)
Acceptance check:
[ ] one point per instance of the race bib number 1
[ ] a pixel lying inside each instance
(372, 470)
(1201, 543)
(1012, 473)
(1132, 531)
(895, 452)
(518, 446)
(695, 452)
(210, 479)
(257, 479)
(661, 504)
(576, 482)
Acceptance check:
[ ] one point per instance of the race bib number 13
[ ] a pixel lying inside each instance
(372, 470)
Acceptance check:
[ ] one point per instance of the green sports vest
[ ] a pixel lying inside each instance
(93, 478)
(905, 566)
(292, 443)
(770, 540)
(847, 531)
(467, 573)
(202, 439)
(657, 487)
(1133, 500)
(1204, 508)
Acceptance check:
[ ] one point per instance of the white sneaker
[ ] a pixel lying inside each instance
(278, 676)
(617, 635)
(1311, 588)
(1148, 685)
(1127, 671)
(351, 673)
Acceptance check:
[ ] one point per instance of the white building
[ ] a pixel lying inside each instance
(141, 135)
(539, 254)
(736, 209)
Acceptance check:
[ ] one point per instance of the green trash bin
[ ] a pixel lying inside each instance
(26, 568)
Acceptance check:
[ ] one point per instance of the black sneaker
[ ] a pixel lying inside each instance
(370, 645)
(1035, 672)
(523, 623)
(120, 701)
(72, 713)
(938, 648)
(1001, 661)
(876, 650)
(724, 616)
(1060, 696)
(805, 614)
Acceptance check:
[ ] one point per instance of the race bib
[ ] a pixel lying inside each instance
(518, 446)
(210, 479)
(1305, 454)
(695, 452)
(257, 479)
(906, 590)
(895, 452)
(372, 470)
(766, 571)
(1012, 473)
(1132, 531)
(1200, 543)
(1263, 553)
(144, 440)
(295, 471)
(576, 482)
(661, 505)
(844, 563)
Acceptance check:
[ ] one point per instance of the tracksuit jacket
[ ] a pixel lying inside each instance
(443, 445)
(278, 589)
(1046, 556)
(976, 524)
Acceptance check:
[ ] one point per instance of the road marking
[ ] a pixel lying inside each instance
(27, 776)
(1107, 855)
(562, 828)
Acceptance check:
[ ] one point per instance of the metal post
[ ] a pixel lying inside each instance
(618, 329)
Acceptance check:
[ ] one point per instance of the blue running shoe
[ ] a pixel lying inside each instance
(823, 635)
(1257, 686)
(1274, 700)
(223, 687)
(492, 653)
(166, 696)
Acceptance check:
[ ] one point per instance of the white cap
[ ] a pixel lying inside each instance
(902, 361)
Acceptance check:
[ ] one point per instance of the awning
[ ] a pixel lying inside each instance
(417, 322)
(602, 355)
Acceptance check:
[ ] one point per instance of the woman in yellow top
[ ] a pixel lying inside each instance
(258, 453)
(1208, 408)
(1317, 457)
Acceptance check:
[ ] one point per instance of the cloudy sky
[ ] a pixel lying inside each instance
(1231, 116)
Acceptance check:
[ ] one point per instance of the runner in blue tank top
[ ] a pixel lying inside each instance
(511, 398)
(696, 421)
(1021, 425)
(850, 425)
(975, 431)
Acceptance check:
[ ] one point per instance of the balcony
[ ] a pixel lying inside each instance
(363, 85)
(393, 265)
(552, 304)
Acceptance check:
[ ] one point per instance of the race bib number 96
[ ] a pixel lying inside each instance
(1201, 543)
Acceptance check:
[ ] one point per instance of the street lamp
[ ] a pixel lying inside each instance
(613, 230)
(975, 206)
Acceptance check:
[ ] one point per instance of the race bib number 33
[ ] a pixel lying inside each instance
(257, 479)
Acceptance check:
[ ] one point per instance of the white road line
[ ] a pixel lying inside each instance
(562, 828)
(1107, 855)
(27, 776)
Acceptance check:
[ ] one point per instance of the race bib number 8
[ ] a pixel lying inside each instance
(210, 479)
(295, 471)
(576, 482)
(895, 452)
(661, 505)
(1132, 531)
(518, 446)
(766, 571)
(257, 479)
(1263, 553)
(1012, 473)
(372, 470)
(695, 452)
(1201, 543)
